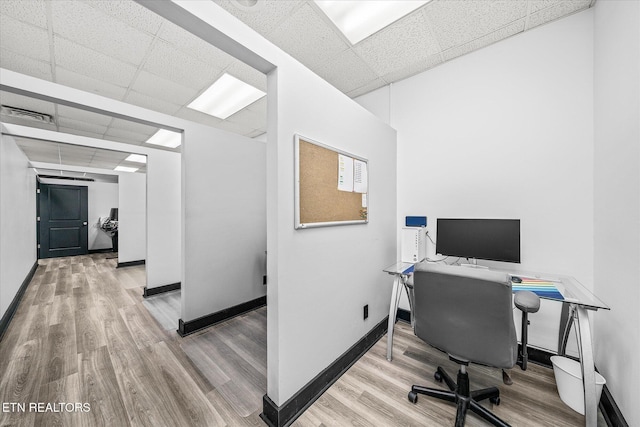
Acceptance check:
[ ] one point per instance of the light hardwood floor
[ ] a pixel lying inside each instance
(83, 334)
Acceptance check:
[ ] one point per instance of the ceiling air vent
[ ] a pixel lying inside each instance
(20, 113)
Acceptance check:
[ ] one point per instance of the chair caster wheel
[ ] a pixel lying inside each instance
(495, 400)
(413, 397)
(437, 376)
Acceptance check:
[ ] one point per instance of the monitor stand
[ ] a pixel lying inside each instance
(474, 264)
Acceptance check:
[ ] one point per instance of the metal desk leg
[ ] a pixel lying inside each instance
(393, 310)
(588, 370)
(568, 314)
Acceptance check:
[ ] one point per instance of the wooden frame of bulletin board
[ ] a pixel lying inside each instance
(331, 186)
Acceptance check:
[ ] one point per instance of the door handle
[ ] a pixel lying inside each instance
(84, 223)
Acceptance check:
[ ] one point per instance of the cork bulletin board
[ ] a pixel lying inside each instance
(331, 186)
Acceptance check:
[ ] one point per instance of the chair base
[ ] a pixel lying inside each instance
(464, 399)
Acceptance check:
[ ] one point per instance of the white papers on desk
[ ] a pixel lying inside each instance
(345, 173)
(360, 176)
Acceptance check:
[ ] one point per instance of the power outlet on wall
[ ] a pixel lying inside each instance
(365, 311)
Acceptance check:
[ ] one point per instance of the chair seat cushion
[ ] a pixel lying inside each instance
(527, 301)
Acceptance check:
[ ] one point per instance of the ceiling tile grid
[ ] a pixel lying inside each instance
(347, 71)
(82, 60)
(158, 87)
(89, 84)
(83, 125)
(83, 115)
(129, 12)
(194, 46)
(397, 46)
(146, 101)
(25, 65)
(33, 12)
(557, 10)
(265, 16)
(108, 35)
(306, 36)
(171, 63)
(26, 103)
(457, 22)
(24, 38)
(480, 42)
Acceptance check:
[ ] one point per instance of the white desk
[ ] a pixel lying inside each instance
(577, 300)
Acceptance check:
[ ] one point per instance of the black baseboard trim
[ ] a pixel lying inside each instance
(612, 414)
(130, 263)
(191, 326)
(404, 315)
(11, 310)
(161, 289)
(279, 416)
(101, 251)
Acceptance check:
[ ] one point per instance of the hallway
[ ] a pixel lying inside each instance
(82, 335)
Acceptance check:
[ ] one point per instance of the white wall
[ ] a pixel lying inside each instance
(617, 199)
(164, 230)
(17, 220)
(318, 279)
(101, 197)
(505, 132)
(224, 200)
(132, 217)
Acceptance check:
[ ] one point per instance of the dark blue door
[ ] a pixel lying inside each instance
(63, 220)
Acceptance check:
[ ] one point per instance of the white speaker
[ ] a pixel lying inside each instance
(414, 244)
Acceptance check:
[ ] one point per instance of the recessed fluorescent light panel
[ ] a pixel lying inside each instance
(136, 158)
(124, 169)
(358, 19)
(226, 97)
(166, 138)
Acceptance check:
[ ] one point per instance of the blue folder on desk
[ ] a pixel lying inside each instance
(540, 287)
(409, 270)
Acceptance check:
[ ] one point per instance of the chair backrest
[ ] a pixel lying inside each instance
(466, 312)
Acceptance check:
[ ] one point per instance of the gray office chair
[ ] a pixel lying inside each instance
(466, 313)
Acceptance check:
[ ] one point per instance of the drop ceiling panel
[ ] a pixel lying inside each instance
(194, 46)
(129, 12)
(265, 16)
(457, 22)
(299, 34)
(161, 88)
(198, 117)
(83, 125)
(249, 119)
(132, 127)
(79, 132)
(486, 40)
(238, 128)
(89, 84)
(88, 62)
(347, 71)
(400, 45)
(248, 75)
(33, 12)
(556, 11)
(98, 31)
(402, 72)
(373, 85)
(146, 101)
(22, 64)
(83, 115)
(24, 38)
(167, 61)
(125, 135)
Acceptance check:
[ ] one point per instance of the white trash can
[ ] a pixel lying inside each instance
(569, 381)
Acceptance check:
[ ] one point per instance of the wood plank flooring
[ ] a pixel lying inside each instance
(82, 334)
(373, 392)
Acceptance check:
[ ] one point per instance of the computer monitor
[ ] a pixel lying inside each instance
(489, 239)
